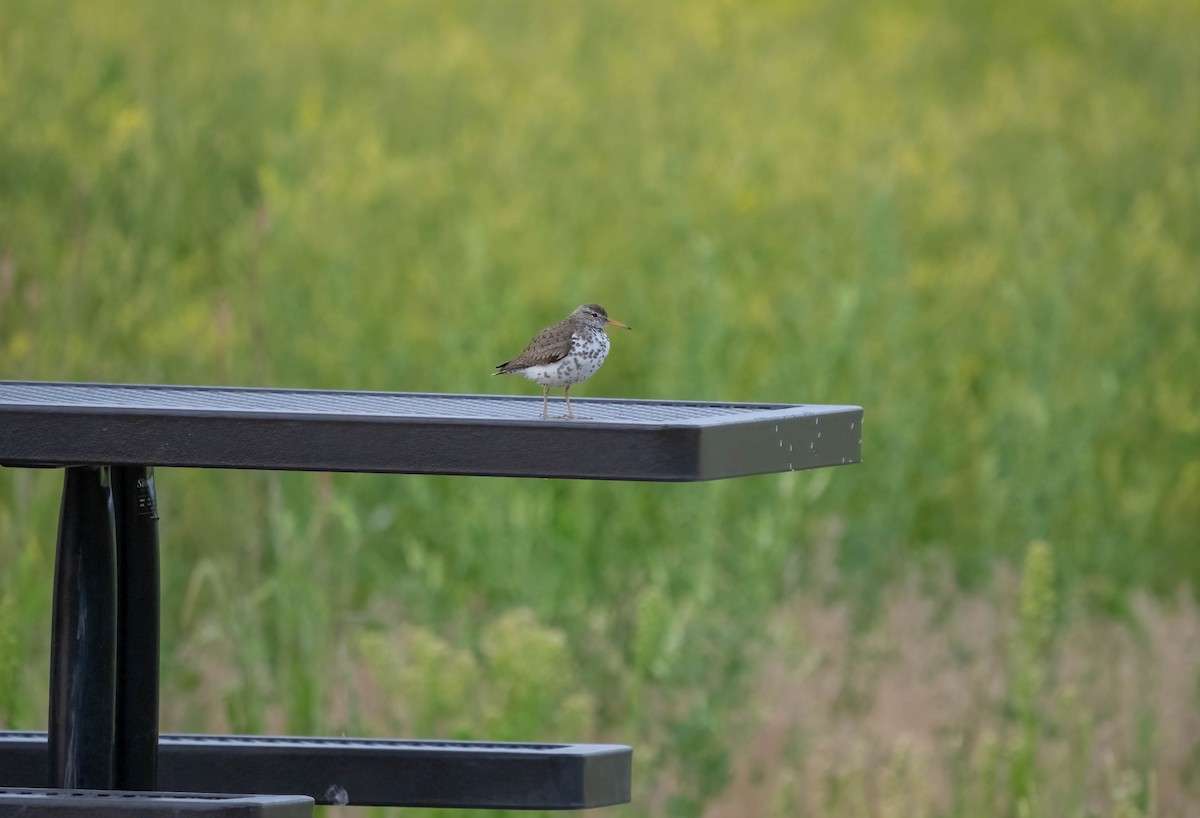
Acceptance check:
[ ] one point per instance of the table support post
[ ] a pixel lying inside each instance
(83, 634)
(136, 742)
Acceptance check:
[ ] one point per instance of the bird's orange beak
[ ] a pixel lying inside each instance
(612, 323)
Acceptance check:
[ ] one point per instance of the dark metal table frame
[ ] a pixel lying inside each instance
(103, 716)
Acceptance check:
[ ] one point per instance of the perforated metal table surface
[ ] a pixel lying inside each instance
(103, 720)
(310, 430)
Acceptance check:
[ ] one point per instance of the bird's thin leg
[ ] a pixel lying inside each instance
(567, 398)
(545, 401)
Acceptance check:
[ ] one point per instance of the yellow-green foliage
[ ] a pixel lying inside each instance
(1031, 647)
(978, 220)
(520, 684)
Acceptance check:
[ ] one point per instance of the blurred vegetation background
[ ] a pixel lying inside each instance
(977, 220)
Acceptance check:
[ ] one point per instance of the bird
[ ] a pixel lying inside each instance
(565, 354)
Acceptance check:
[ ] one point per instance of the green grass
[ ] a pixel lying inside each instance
(976, 220)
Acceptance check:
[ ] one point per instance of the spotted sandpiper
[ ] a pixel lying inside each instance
(564, 354)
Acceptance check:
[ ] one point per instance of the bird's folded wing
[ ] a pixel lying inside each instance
(549, 346)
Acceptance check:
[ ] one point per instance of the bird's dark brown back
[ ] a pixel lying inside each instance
(549, 346)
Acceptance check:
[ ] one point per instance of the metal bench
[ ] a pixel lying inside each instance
(31, 803)
(103, 720)
(370, 772)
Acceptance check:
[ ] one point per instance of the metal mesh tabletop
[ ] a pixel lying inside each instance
(214, 427)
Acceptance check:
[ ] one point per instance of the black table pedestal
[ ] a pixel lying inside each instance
(103, 720)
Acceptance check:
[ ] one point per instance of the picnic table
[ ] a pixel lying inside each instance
(103, 735)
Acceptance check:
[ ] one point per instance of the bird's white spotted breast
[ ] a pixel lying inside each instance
(581, 363)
